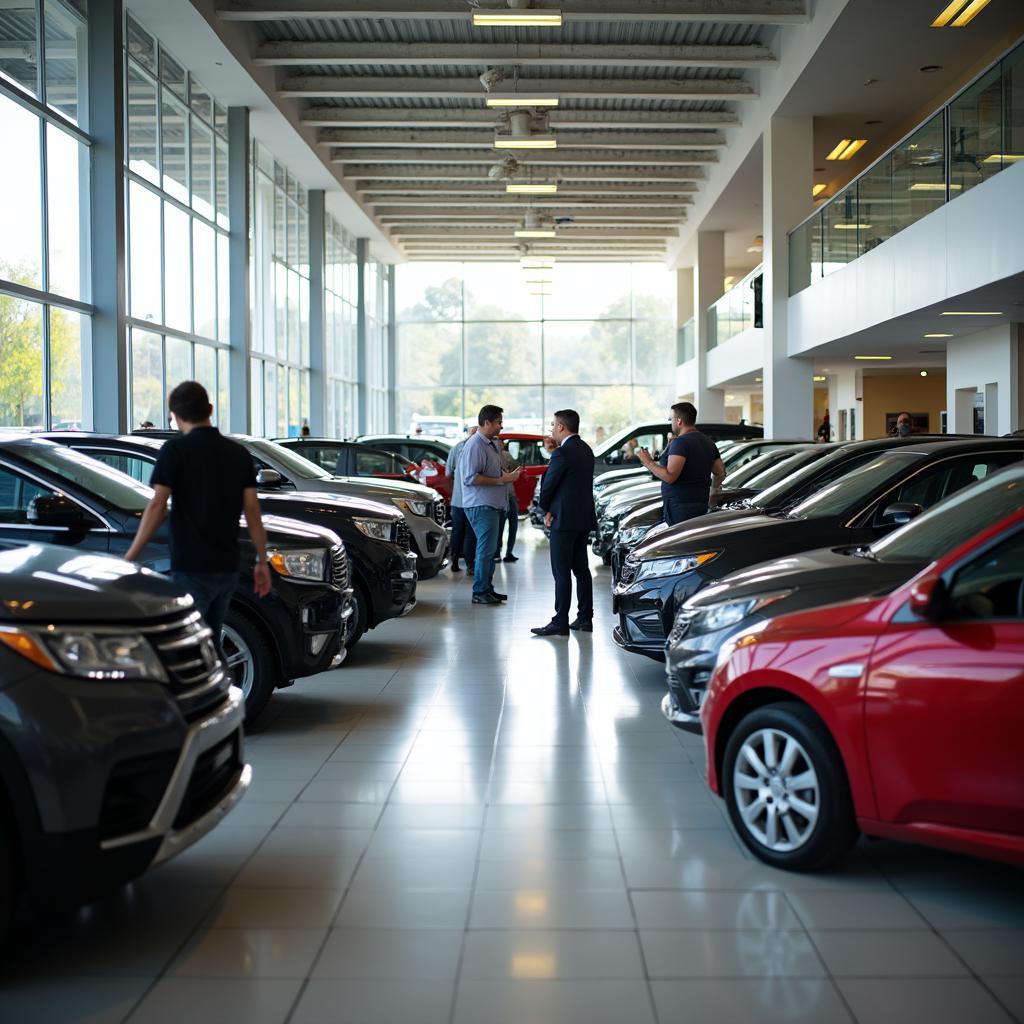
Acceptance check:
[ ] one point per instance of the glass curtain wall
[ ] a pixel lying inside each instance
(279, 290)
(177, 228)
(341, 285)
(377, 364)
(44, 215)
(601, 340)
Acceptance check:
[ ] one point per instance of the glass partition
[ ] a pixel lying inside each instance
(686, 340)
(977, 134)
(737, 310)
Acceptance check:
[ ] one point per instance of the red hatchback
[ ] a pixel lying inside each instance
(529, 452)
(899, 716)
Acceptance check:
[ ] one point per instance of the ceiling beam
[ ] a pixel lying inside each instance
(559, 119)
(383, 191)
(750, 12)
(379, 172)
(490, 218)
(627, 204)
(414, 87)
(523, 55)
(526, 158)
(569, 233)
(485, 139)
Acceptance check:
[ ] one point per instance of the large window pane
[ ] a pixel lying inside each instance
(204, 279)
(503, 353)
(67, 185)
(177, 273)
(144, 253)
(21, 215)
(21, 363)
(19, 62)
(500, 291)
(147, 380)
(589, 353)
(142, 126)
(140, 45)
(222, 183)
(206, 372)
(416, 407)
(66, 336)
(173, 146)
(585, 291)
(64, 45)
(179, 362)
(202, 169)
(654, 355)
(608, 407)
(429, 354)
(223, 290)
(428, 291)
(223, 388)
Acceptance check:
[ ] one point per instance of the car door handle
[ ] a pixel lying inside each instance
(848, 670)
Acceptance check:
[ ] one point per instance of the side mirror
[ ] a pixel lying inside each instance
(268, 478)
(900, 513)
(57, 511)
(929, 597)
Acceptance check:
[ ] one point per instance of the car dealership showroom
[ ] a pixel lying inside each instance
(511, 511)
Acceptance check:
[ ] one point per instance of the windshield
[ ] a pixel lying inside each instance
(277, 455)
(619, 439)
(785, 469)
(838, 461)
(839, 497)
(739, 477)
(115, 488)
(953, 521)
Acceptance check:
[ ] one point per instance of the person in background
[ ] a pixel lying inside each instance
(304, 429)
(147, 425)
(599, 435)
(686, 468)
(825, 430)
(463, 538)
(904, 425)
(510, 514)
(212, 482)
(630, 449)
(483, 497)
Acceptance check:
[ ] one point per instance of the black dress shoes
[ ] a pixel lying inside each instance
(455, 567)
(485, 599)
(510, 558)
(500, 597)
(551, 629)
(583, 625)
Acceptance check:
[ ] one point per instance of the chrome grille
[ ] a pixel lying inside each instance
(339, 567)
(187, 651)
(402, 534)
(681, 626)
(629, 571)
(439, 515)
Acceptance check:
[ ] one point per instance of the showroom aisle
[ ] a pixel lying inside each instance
(469, 825)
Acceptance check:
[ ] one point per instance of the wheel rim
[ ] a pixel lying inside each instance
(776, 789)
(239, 657)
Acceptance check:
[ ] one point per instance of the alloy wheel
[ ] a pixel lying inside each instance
(241, 663)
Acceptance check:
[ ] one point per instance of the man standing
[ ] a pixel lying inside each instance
(567, 499)
(463, 538)
(213, 482)
(483, 497)
(510, 513)
(686, 467)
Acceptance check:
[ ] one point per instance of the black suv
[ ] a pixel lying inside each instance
(51, 494)
(120, 736)
(382, 569)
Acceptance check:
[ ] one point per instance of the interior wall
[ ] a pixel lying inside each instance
(898, 392)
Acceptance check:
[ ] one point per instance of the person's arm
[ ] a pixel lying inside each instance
(152, 519)
(551, 480)
(473, 475)
(258, 534)
(717, 475)
(667, 474)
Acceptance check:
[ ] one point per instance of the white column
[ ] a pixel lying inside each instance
(686, 383)
(992, 362)
(788, 173)
(708, 285)
(845, 396)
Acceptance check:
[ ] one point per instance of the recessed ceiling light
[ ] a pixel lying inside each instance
(881, 358)
(846, 149)
(525, 142)
(521, 99)
(819, 377)
(523, 17)
(930, 69)
(938, 335)
(969, 312)
(537, 262)
(875, 121)
(757, 380)
(534, 233)
(818, 189)
(541, 188)
(924, 373)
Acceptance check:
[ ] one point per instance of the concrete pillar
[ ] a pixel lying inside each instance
(788, 172)
(317, 321)
(991, 362)
(239, 183)
(845, 405)
(685, 351)
(105, 361)
(708, 285)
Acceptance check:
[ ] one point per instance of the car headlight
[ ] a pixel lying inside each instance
(713, 617)
(377, 529)
(89, 654)
(674, 566)
(633, 535)
(301, 564)
(413, 506)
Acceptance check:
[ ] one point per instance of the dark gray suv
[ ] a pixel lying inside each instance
(120, 734)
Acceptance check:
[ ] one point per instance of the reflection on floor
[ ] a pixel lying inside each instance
(468, 825)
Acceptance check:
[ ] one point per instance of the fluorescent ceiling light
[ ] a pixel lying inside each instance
(819, 377)
(541, 188)
(933, 186)
(1001, 158)
(535, 233)
(865, 358)
(818, 189)
(938, 335)
(537, 262)
(969, 13)
(525, 142)
(851, 227)
(970, 312)
(846, 149)
(523, 17)
(948, 14)
(521, 99)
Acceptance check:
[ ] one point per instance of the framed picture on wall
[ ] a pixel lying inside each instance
(919, 423)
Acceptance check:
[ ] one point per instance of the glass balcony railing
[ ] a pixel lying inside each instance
(686, 342)
(739, 309)
(973, 137)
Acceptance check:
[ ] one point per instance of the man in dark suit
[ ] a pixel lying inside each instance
(567, 499)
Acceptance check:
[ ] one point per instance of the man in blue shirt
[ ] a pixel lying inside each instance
(686, 468)
(483, 497)
(463, 539)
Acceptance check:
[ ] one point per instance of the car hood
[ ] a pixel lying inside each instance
(285, 532)
(380, 490)
(45, 583)
(631, 499)
(294, 503)
(833, 573)
(710, 525)
(648, 514)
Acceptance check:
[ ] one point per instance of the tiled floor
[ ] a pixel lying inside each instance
(468, 825)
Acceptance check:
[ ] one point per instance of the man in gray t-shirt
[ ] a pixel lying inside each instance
(463, 538)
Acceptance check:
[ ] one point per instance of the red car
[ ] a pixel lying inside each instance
(899, 716)
(529, 452)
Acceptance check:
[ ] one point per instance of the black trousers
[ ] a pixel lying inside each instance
(463, 538)
(568, 559)
(676, 511)
(511, 517)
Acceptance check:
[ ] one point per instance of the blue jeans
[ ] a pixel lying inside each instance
(211, 592)
(484, 521)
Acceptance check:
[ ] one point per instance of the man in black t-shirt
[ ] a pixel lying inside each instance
(686, 468)
(213, 482)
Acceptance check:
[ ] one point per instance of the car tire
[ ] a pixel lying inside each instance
(360, 616)
(803, 827)
(250, 661)
(10, 876)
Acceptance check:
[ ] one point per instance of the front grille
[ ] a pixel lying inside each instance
(402, 534)
(339, 567)
(629, 572)
(215, 773)
(681, 626)
(195, 673)
(439, 513)
(133, 793)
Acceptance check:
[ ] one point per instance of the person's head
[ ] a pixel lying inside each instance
(189, 404)
(472, 430)
(304, 430)
(147, 425)
(684, 416)
(599, 435)
(490, 420)
(564, 423)
(632, 444)
(904, 425)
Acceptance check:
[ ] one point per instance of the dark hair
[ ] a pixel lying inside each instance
(570, 419)
(687, 412)
(904, 413)
(489, 413)
(189, 402)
